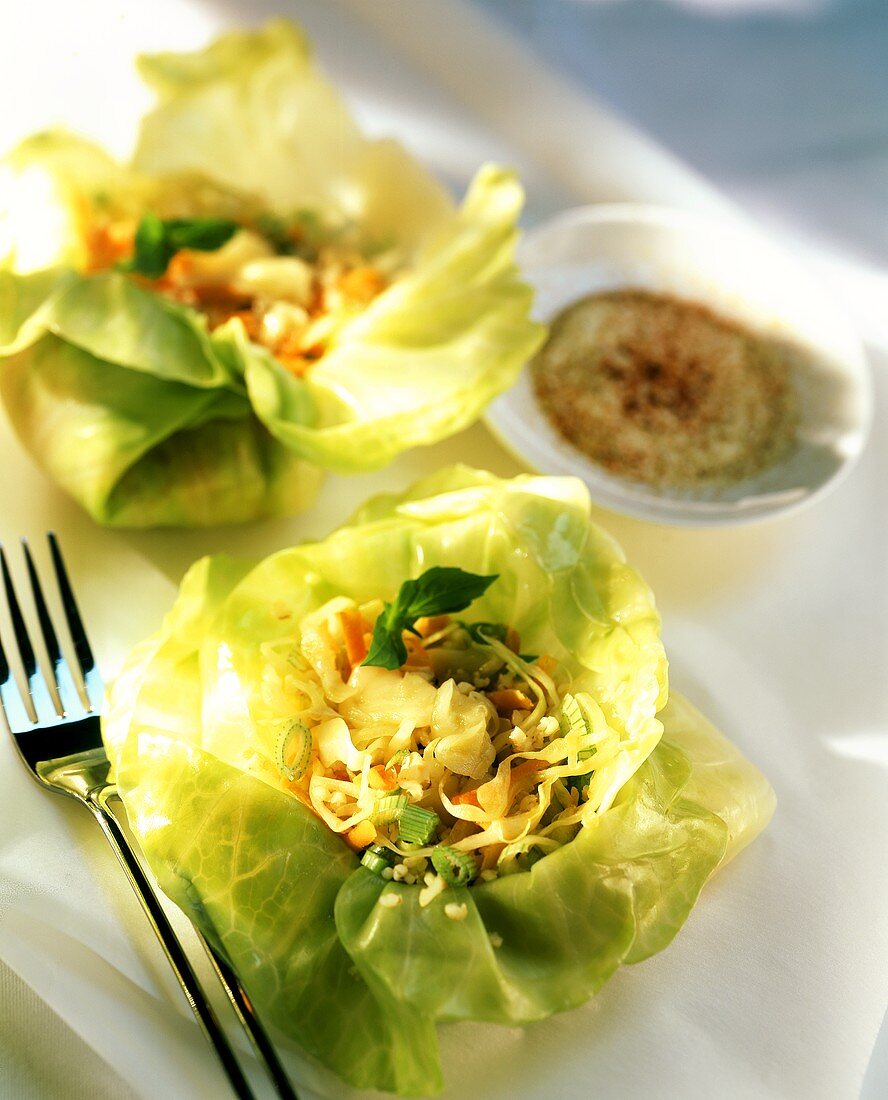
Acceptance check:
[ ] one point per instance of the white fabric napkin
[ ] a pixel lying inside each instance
(777, 984)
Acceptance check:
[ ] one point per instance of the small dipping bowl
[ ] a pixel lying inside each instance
(737, 273)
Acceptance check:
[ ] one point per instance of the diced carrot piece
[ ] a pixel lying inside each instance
(295, 357)
(466, 798)
(513, 640)
(431, 624)
(249, 320)
(297, 365)
(122, 235)
(352, 623)
(526, 770)
(381, 779)
(510, 699)
(362, 284)
(185, 294)
(361, 835)
(109, 243)
(417, 657)
(547, 664)
(179, 267)
(290, 344)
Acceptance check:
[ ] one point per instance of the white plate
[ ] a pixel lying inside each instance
(730, 267)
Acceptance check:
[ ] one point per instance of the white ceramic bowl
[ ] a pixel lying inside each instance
(737, 272)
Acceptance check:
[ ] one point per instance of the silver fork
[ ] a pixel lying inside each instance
(59, 739)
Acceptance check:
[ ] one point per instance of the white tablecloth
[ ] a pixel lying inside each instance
(784, 105)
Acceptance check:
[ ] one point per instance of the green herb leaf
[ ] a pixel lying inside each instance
(277, 232)
(480, 632)
(440, 590)
(152, 252)
(158, 240)
(301, 234)
(202, 234)
(387, 649)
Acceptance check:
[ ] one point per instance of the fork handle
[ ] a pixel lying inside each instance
(240, 1002)
(188, 980)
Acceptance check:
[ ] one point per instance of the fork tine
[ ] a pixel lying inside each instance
(26, 650)
(14, 708)
(82, 650)
(41, 700)
(64, 682)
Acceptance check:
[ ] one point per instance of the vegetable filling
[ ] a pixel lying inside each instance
(431, 743)
(292, 282)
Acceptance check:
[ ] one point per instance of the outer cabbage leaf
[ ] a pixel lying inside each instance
(722, 780)
(269, 909)
(45, 185)
(426, 357)
(420, 363)
(159, 431)
(258, 92)
(357, 984)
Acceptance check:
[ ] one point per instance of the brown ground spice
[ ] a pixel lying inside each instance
(665, 391)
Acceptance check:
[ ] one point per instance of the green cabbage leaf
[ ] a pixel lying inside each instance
(361, 985)
(148, 418)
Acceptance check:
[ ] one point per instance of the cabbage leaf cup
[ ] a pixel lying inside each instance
(147, 412)
(358, 983)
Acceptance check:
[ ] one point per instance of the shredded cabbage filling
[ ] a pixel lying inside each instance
(472, 760)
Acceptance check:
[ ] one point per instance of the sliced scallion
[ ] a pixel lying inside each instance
(575, 720)
(572, 720)
(293, 750)
(455, 867)
(397, 759)
(376, 859)
(416, 825)
(389, 808)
